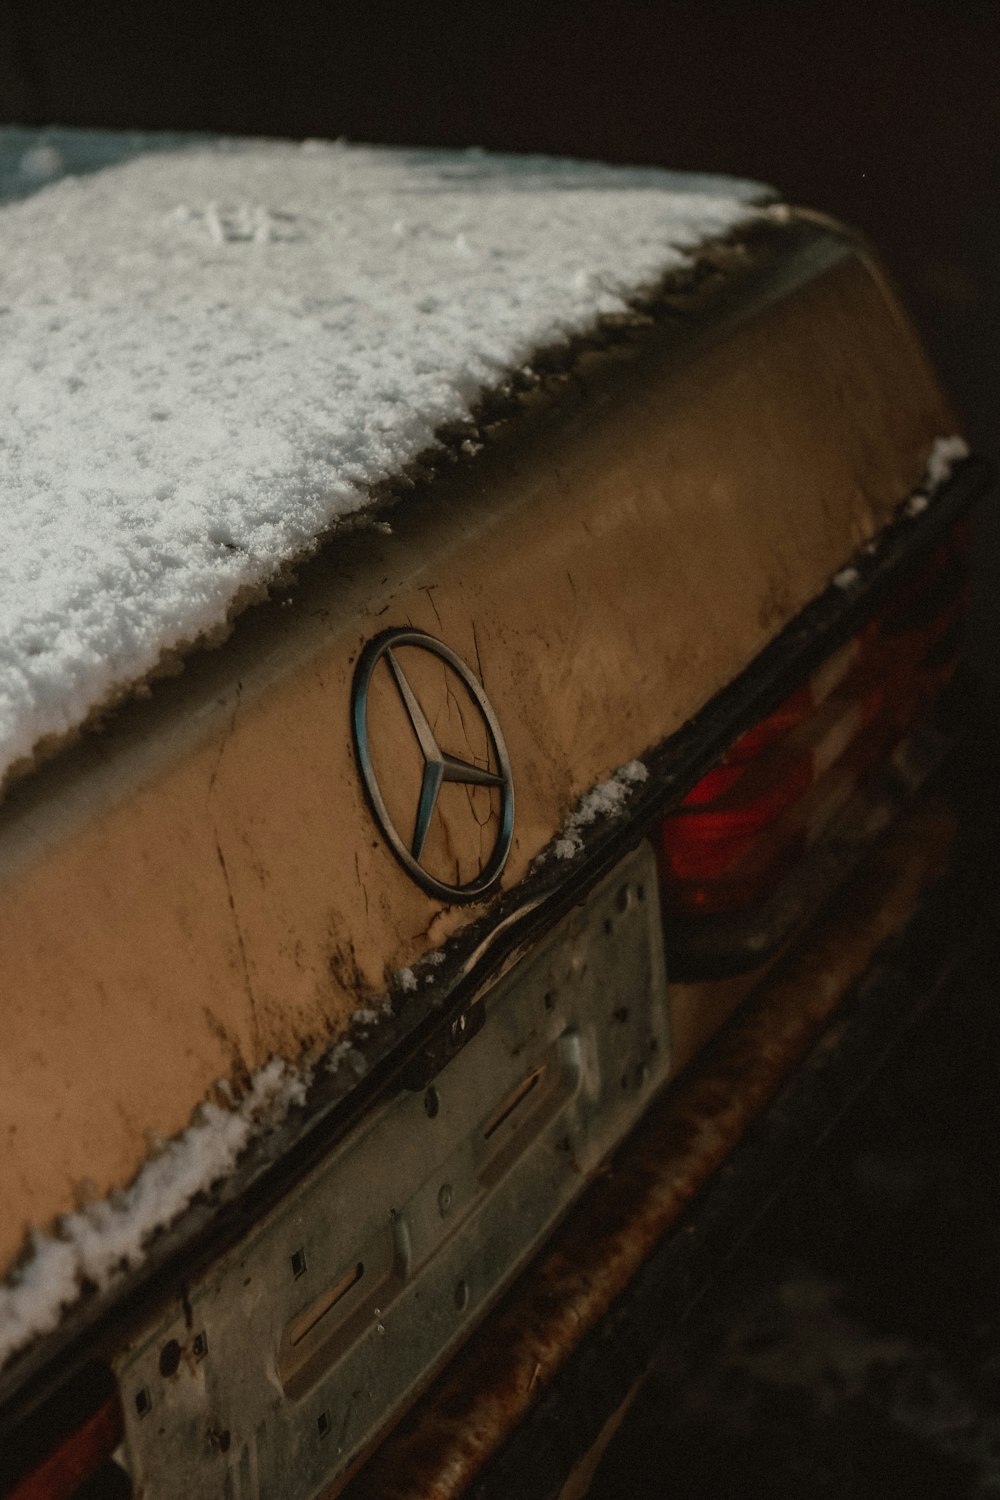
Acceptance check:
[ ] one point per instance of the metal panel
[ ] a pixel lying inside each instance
(617, 521)
(288, 1358)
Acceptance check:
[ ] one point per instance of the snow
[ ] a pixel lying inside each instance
(42, 163)
(208, 355)
(946, 452)
(602, 801)
(365, 1016)
(96, 1245)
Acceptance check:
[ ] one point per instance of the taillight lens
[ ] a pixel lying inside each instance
(744, 825)
(78, 1462)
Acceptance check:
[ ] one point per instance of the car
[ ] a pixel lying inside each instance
(466, 619)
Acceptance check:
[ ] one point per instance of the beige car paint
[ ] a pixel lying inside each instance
(203, 886)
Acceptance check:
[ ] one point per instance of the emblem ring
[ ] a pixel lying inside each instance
(438, 766)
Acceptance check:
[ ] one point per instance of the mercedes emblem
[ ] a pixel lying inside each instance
(438, 765)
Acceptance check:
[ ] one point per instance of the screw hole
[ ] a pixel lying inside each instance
(143, 1402)
(432, 1103)
(298, 1263)
(323, 1423)
(170, 1358)
(640, 893)
(549, 1000)
(444, 1199)
(621, 900)
(609, 926)
(461, 1295)
(200, 1345)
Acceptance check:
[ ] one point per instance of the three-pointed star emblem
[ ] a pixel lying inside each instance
(439, 765)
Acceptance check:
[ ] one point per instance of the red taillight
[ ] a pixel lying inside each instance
(779, 786)
(80, 1456)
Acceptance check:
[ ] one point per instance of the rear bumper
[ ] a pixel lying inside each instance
(531, 1393)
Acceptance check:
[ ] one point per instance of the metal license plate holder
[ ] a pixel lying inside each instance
(294, 1351)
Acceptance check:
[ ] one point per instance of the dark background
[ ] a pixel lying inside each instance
(886, 115)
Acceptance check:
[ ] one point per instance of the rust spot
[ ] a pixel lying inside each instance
(348, 973)
(238, 1071)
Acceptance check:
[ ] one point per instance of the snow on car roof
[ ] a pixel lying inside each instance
(211, 351)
